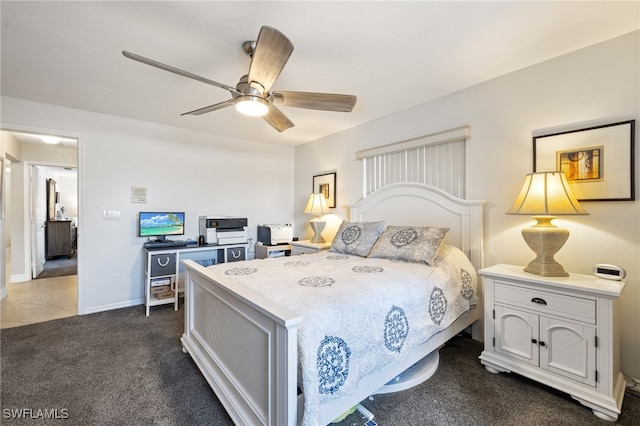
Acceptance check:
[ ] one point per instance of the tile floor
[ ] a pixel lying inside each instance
(39, 300)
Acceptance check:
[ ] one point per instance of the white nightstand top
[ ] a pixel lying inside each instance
(586, 283)
(309, 244)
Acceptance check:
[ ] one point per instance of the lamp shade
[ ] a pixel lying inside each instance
(546, 193)
(317, 204)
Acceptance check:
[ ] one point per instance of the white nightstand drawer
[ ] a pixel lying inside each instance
(573, 307)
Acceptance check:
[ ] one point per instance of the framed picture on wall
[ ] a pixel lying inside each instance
(326, 184)
(598, 162)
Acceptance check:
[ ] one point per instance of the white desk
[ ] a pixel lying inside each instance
(162, 272)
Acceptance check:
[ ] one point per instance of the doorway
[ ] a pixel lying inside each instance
(55, 221)
(35, 161)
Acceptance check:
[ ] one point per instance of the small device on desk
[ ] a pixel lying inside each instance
(223, 230)
(164, 243)
(272, 235)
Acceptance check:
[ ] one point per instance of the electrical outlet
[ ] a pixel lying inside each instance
(111, 215)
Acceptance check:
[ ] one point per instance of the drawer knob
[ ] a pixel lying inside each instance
(539, 301)
(542, 343)
(534, 341)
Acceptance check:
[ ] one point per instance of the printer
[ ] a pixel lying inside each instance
(223, 230)
(272, 235)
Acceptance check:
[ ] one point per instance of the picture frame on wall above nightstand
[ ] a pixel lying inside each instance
(597, 161)
(326, 184)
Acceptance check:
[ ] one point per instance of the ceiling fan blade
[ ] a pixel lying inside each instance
(277, 119)
(271, 54)
(210, 108)
(178, 71)
(321, 101)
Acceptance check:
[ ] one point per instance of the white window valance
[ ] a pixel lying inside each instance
(436, 159)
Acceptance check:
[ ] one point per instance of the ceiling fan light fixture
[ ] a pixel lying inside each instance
(254, 106)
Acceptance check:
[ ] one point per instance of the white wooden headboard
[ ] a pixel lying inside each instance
(423, 205)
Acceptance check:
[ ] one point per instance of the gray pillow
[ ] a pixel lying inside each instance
(356, 238)
(409, 243)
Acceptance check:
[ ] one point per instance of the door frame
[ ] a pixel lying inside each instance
(27, 195)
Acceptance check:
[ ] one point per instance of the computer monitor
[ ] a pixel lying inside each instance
(160, 224)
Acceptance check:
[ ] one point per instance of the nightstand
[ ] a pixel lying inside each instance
(306, 247)
(563, 332)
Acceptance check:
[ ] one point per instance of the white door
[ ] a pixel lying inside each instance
(38, 221)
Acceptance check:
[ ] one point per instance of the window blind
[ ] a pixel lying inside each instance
(437, 159)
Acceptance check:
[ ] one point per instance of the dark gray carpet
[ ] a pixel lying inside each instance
(111, 368)
(121, 367)
(60, 266)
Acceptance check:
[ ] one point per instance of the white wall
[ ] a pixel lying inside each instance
(182, 170)
(595, 85)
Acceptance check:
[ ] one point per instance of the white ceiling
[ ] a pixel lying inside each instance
(391, 55)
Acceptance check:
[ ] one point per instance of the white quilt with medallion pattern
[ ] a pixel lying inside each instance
(358, 314)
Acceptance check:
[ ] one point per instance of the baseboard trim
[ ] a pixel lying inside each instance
(112, 306)
(19, 278)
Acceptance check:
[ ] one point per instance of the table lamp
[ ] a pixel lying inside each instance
(544, 196)
(317, 206)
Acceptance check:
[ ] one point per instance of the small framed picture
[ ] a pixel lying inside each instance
(598, 161)
(326, 184)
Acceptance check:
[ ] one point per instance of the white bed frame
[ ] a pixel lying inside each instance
(246, 345)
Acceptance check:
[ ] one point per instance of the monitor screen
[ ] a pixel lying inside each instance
(160, 224)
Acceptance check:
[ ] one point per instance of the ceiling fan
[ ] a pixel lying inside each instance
(252, 96)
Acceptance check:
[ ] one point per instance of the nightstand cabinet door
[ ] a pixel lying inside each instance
(562, 347)
(569, 350)
(517, 334)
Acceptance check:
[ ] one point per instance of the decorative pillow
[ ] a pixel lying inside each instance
(409, 243)
(356, 238)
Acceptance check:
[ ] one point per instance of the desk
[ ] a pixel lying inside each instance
(163, 270)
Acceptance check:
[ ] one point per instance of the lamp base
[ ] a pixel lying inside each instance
(545, 239)
(317, 225)
(546, 269)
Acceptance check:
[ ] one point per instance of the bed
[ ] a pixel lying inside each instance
(247, 345)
